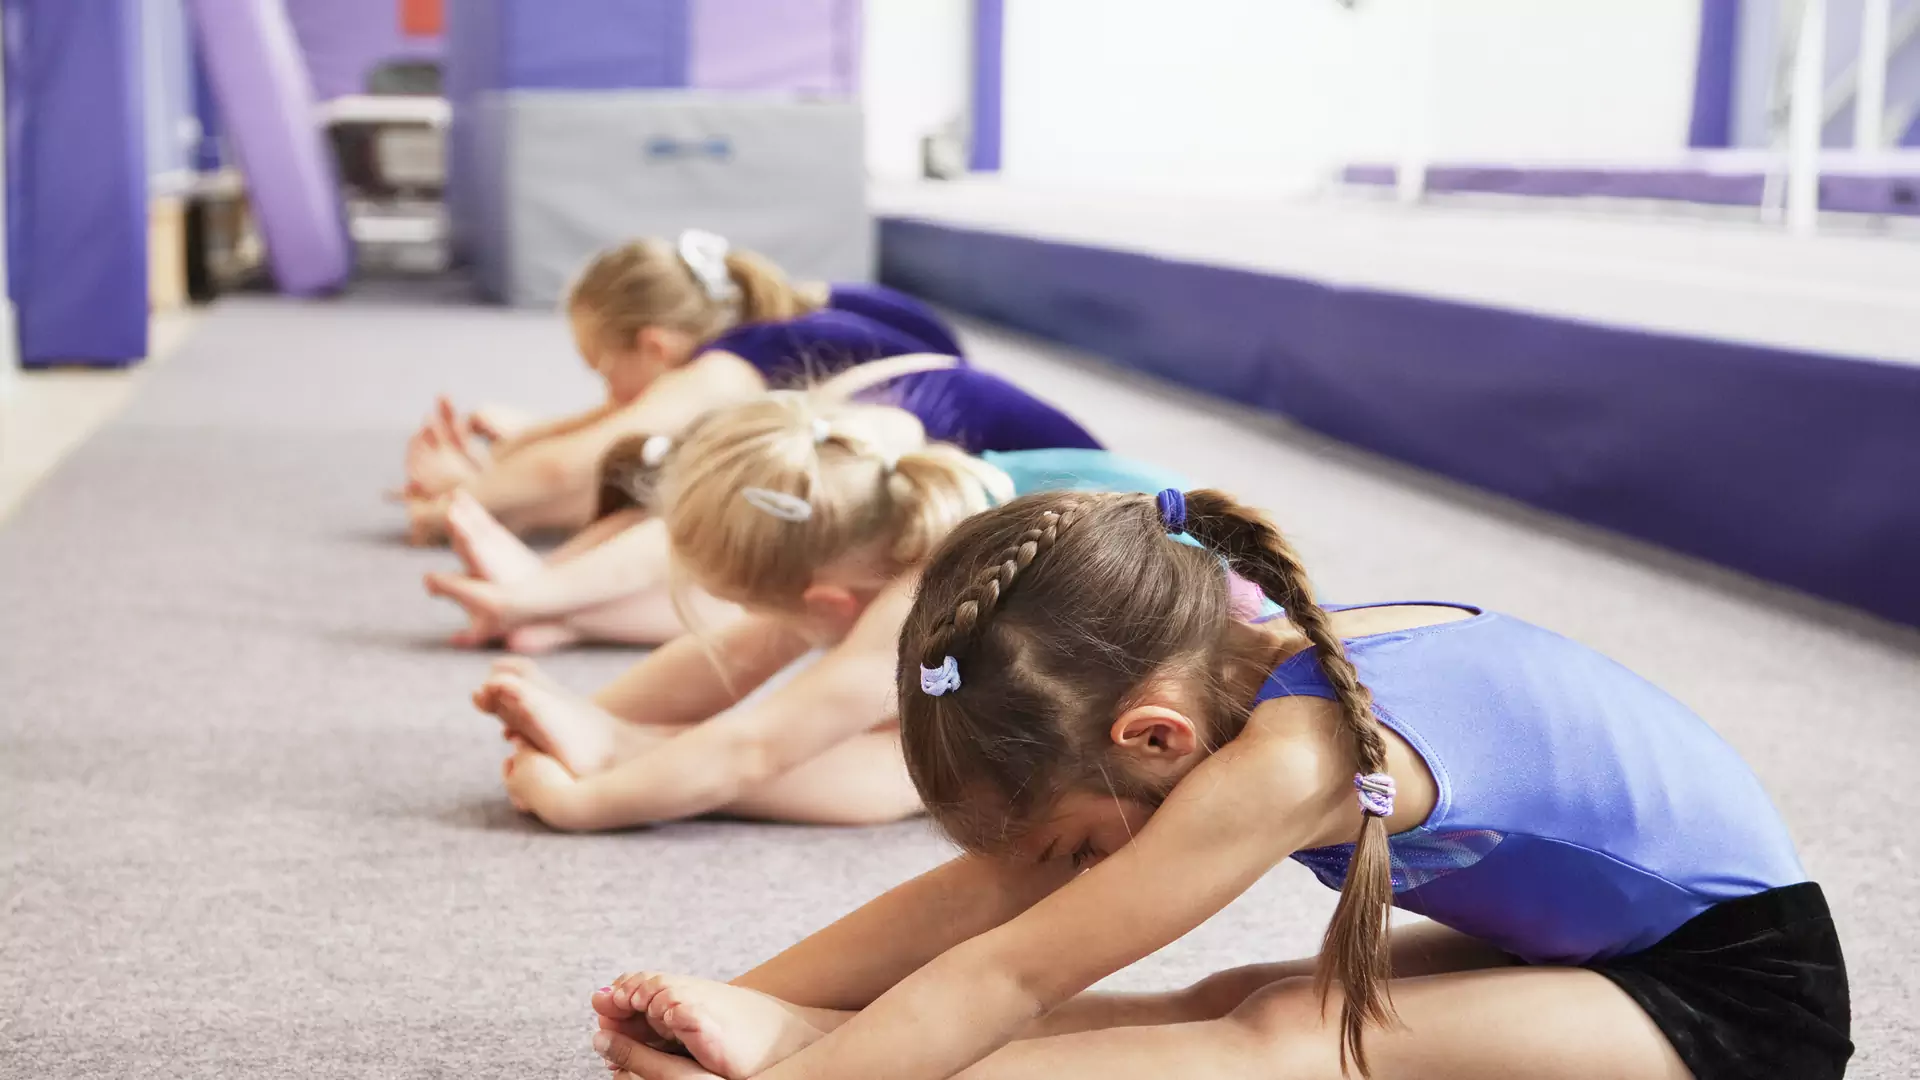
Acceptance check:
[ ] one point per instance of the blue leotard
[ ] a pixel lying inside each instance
(1079, 470)
(860, 323)
(1582, 814)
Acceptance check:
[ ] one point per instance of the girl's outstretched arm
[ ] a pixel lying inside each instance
(849, 691)
(567, 465)
(861, 956)
(693, 678)
(507, 445)
(1193, 858)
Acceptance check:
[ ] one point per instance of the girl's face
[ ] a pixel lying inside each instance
(1085, 826)
(629, 366)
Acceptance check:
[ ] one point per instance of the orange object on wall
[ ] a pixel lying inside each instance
(423, 18)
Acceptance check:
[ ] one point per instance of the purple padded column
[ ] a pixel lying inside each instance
(989, 27)
(1712, 124)
(76, 181)
(260, 82)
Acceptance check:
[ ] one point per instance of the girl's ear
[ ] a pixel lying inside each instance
(1156, 736)
(833, 603)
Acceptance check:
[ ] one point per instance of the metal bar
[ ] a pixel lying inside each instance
(1804, 121)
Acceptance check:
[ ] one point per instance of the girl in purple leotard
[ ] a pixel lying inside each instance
(674, 329)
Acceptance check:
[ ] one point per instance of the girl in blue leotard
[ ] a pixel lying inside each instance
(813, 516)
(1611, 894)
(674, 329)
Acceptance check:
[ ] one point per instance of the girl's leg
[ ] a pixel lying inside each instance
(599, 532)
(499, 421)
(737, 1032)
(862, 781)
(1537, 1022)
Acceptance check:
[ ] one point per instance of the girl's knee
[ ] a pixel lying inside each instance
(1294, 1037)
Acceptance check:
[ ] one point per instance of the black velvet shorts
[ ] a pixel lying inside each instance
(1750, 989)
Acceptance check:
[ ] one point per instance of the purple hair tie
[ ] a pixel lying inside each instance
(1173, 509)
(1376, 793)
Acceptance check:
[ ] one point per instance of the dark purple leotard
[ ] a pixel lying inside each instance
(861, 323)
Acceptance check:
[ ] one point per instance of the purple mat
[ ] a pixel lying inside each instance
(76, 181)
(1790, 466)
(267, 108)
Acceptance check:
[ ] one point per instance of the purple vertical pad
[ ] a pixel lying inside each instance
(76, 181)
(267, 105)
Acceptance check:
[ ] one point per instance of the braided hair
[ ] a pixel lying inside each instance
(1047, 618)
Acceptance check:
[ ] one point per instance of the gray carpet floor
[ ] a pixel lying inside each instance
(250, 826)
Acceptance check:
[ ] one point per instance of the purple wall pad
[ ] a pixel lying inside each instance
(798, 46)
(343, 40)
(267, 104)
(76, 181)
(1793, 467)
(592, 44)
(1712, 122)
(1893, 194)
(989, 42)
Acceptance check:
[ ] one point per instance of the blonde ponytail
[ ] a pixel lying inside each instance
(932, 489)
(765, 293)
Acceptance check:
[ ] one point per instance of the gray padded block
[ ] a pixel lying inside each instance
(579, 171)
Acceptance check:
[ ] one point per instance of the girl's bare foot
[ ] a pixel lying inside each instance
(480, 599)
(576, 732)
(426, 521)
(731, 1031)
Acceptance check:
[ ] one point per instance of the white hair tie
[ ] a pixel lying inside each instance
(940, 681)
(822, 431)
(654, 450)
(778, 504)
(705, 254)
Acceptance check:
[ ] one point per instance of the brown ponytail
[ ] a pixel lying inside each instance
(765, 293)
(1354, 950)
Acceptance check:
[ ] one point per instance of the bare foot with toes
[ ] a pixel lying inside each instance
(731, 1031)
(578, 733)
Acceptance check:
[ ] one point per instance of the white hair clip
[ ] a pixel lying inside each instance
(705, 254)
(940, 681)
(778, 504)
(822, 431)
(654, 450)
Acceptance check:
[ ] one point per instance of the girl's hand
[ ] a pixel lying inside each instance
(629, 1060)
(535, 780)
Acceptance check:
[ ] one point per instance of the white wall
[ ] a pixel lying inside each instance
(916, 76)
(1263, 94)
